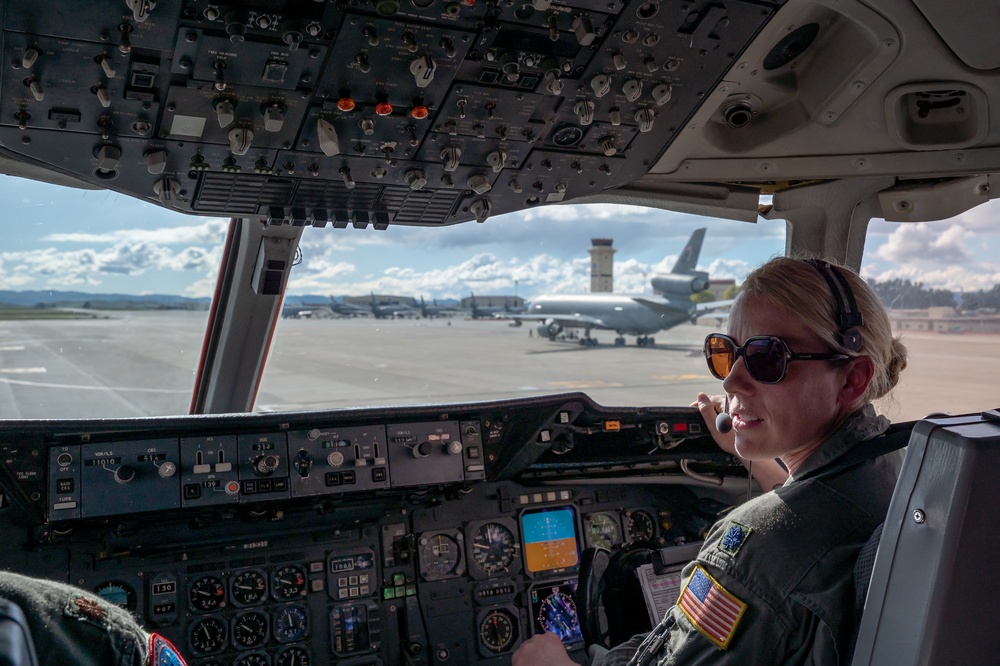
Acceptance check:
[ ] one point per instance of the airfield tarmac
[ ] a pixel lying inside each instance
(142, 363)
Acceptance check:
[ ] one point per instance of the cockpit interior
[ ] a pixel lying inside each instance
(451, 533)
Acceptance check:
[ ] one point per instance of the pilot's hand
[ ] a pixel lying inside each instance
(710, 406)
(542, 650)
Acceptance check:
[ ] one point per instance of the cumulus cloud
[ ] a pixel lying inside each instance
(209, 230)
(89, 266)
(926, 242)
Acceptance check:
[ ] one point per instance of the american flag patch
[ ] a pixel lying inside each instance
(713, 610)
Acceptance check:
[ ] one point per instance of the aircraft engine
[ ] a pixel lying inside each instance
(549, 329)
(681, 284)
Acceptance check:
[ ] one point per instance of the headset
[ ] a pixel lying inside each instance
(848, 317)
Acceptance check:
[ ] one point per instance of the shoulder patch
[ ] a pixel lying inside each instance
(734, 537)
(163, 653)
(711, 608)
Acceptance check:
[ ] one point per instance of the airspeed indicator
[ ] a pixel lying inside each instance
(493, 548)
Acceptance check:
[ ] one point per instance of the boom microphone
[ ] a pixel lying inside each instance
(724, 422)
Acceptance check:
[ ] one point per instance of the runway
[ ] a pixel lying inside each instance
(143, 363)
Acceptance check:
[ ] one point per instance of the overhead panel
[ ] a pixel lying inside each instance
(366, 114)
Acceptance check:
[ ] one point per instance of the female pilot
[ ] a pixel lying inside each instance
(809, 347)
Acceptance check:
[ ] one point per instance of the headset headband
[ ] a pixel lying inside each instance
(848, 318)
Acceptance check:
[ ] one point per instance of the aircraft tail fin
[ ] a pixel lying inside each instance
(688, 258)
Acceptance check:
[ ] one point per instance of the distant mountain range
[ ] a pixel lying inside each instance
(79, 299)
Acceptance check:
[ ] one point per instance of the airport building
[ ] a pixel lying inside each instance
(943, 320)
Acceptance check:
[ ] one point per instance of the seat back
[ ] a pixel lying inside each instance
(933, 596)
(16, 646)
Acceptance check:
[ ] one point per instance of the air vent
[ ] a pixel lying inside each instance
(229, 194)
(421, 207)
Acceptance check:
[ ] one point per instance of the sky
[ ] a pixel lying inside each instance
(104, 242)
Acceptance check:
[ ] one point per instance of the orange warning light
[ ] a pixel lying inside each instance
(419, 112)
(345, 104)
(383, 108)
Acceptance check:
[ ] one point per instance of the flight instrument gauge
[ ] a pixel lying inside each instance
(248, 587)
(440, 555)
(208, 635)
(253, 659)
(555, 613)
(498, 630)
(207, 593)
(118, 593)
(288, 582)
(639, 526)
(290, 624)
(293, 656)
(250, 629)
(493, 548)
(603, 530)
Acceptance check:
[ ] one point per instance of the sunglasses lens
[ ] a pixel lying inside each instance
(765, 360)
(721, 355)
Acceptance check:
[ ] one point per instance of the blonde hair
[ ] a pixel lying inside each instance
(798, 287)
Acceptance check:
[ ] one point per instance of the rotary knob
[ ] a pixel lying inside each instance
(335, 459)
(166, 470)
(124, 474)
(416, 179)
(266, 465)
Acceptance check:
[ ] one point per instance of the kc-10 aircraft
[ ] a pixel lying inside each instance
(639, 315)
(450, 532)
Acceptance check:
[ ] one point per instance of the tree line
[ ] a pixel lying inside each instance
(897, 294)
(904, 294)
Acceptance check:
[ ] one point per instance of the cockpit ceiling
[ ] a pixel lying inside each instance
(373, 113)
(431, 113)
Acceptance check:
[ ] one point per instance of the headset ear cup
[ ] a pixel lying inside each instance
(851, 340)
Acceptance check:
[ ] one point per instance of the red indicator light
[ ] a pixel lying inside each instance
(383, 108)
(680, 427)
(345, 104)
(420, 112)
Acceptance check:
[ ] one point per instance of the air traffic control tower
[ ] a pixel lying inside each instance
(601, 265)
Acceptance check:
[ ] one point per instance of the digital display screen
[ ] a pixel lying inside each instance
(554, 611)
(550, 539)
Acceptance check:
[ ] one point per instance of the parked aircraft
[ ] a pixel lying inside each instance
(349, 309)
(480, 311)
(638, 315)
(392, 309)
(429, 311)
(450, 531)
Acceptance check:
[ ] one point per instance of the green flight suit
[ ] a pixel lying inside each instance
(789, 556)
(73, 627)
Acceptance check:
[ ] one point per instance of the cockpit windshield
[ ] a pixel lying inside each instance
(106, 299)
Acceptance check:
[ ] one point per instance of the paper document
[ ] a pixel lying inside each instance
(659, 591)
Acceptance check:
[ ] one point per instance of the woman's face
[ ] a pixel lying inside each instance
(790, 419)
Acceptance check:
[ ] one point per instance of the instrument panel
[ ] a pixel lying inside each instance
(431, 566)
